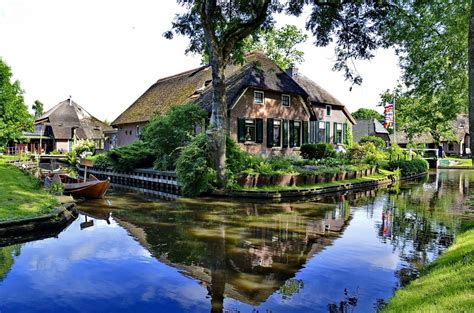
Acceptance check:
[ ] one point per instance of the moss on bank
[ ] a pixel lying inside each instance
(21, 195)
(446, 285)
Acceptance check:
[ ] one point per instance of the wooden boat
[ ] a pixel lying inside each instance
(91, 189)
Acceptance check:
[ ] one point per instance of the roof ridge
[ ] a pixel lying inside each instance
(197, 69)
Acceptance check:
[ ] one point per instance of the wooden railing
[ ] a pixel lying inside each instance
(148, 181)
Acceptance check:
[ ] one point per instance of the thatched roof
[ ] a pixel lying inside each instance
(67, 115)
(258, 71)
(319, 95)
(367, 127)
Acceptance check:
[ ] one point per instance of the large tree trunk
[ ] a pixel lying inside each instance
(471, 80)
(218, 130)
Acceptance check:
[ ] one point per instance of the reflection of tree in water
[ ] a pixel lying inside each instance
(7, 258)
(347, 305)
(419, 222)
(246, 252)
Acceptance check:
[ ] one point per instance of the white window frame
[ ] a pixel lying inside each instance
(281, 133)
(330, 110)
(255, 98)
(300, 133)
(289, 100)
(252, 122)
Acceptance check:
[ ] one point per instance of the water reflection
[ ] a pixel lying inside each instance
(336, 254)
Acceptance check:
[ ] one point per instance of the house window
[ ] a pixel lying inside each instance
(297, 133)
(258, 97)
(450, 146)
(328, 110)
(126, 132)
(338, 133)
(250, 133)
(322, 132)
(276, 133)
(285, 100)
(138, 131)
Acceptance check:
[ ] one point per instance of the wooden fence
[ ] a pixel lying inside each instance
(147, 181)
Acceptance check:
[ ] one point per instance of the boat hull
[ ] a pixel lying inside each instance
(90, 189)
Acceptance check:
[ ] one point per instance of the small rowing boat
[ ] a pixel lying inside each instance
(93, 188)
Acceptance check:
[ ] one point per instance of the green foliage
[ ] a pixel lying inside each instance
(83, 146)
(167, 134)
(348, 138)
(56, 188)
(38, 108)
(364, 114)
(378, 142)
(127, 158)
(366, 153)
(193, 169)
(395, 152)
(409, 167)
(71, 158)
(278, 44)
(14, 115)
(103, 161)
(317, 151)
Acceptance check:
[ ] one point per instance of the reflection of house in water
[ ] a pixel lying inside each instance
(247, 253)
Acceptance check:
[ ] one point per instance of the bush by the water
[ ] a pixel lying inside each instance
(317, 151)
(366, 153)
(193, 169)
(102, 161)
(84, 146)
(409, 167)
(127, 158)
(166, 135)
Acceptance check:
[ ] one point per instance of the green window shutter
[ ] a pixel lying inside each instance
(311, 132)
(334, 135)
(317, 132)
(270, 132)
(259, 130)
(285, 134)
(241, 129)
(305, 132)
(292, 134)
(345, 132)
(328, 132)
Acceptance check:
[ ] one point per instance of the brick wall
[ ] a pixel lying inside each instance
(271, 108)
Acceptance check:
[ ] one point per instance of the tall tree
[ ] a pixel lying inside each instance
(278, 44)
(219, 28)
(14, 116)
(38, 108)
(363, 114)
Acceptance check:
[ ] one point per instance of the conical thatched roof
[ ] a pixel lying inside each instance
(68, 115)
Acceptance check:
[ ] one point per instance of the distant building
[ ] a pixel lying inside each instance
(270, 111)
(64, 124)
(459, 147)
(370, 127)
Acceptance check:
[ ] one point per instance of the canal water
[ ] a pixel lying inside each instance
(346, 253)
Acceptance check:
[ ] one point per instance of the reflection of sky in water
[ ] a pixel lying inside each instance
(94, 271)
(103, 269)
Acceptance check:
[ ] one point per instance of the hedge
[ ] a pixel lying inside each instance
(409, 167)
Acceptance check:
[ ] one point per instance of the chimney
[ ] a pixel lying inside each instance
(292, 70)
(70, 100)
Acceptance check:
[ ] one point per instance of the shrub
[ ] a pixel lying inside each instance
(103, 161)
(366, 153)
(193, 169)
(166, 135)
(409, 167)
(394, 152)
(317, 151)
(378, 142)
(136, 155)
(280, 164)
(83, 146)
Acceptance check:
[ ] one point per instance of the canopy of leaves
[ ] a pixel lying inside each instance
(167, 134)
(38, 108)
(14, 116)
(363, 114)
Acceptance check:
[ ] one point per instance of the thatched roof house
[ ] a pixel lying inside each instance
(257, 91)
(67, 122)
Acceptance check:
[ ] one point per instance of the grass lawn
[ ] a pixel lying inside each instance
(381, 175)
(446, 285)
(462, 162)
(21, 195)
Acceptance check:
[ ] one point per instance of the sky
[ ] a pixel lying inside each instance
(106, 53)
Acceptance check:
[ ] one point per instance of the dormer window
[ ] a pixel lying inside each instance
(258, 97)
(328, 110)
(285, 100)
